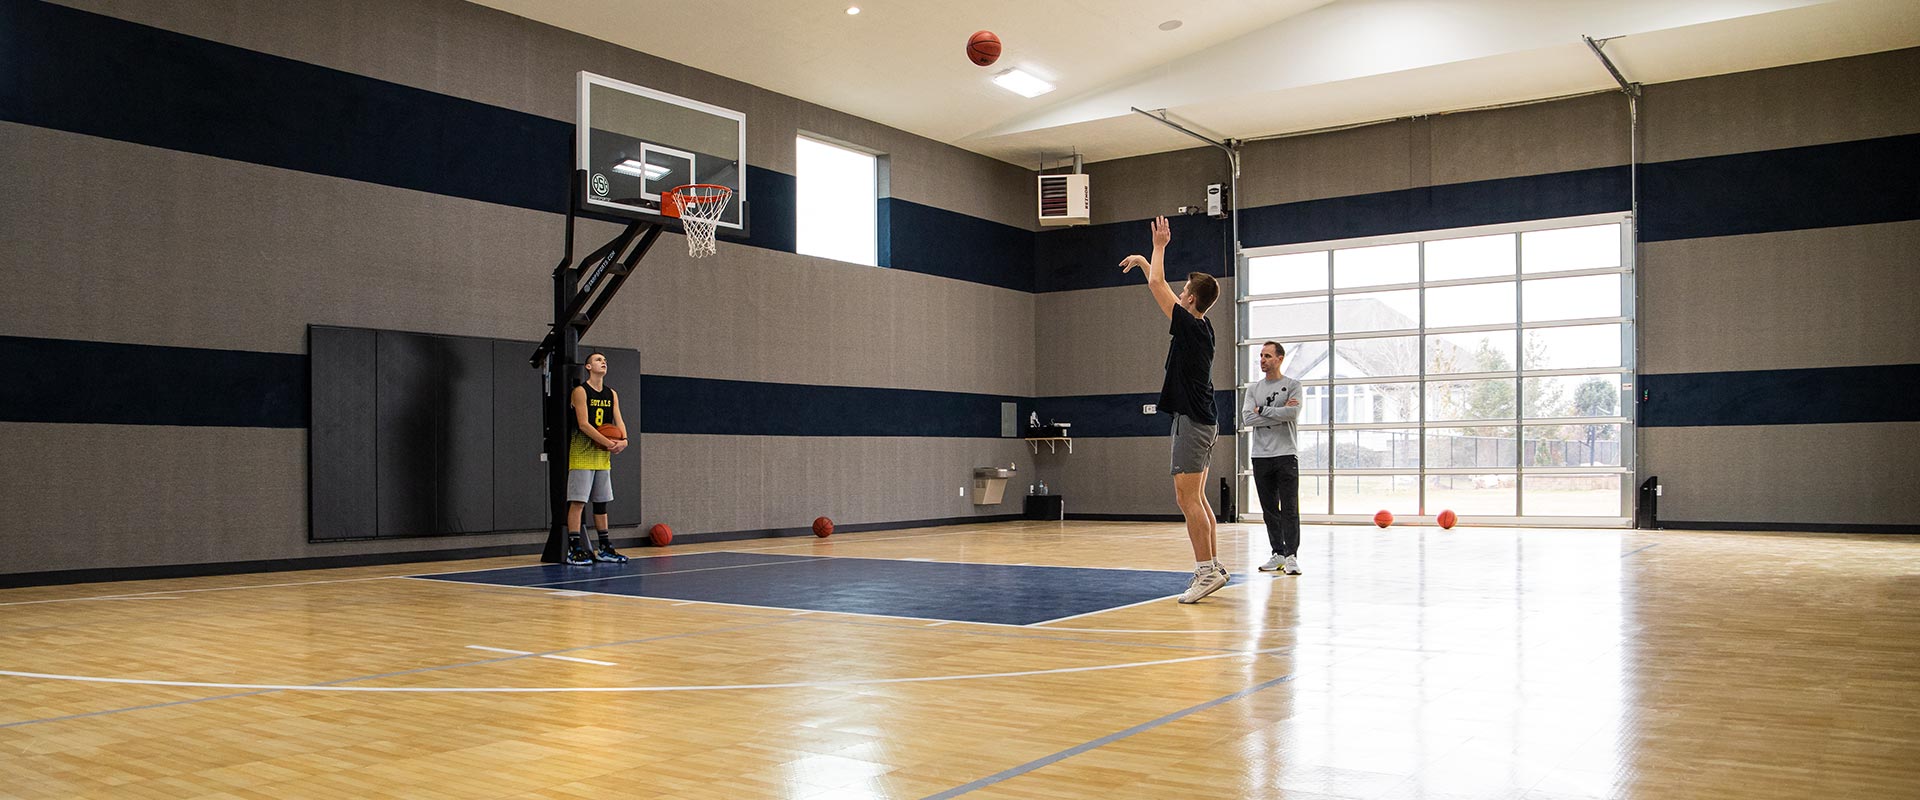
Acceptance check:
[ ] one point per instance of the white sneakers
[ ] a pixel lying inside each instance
(1205, 582)
(1279, 563)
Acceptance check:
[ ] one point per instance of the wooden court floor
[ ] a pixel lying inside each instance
(1406, 663)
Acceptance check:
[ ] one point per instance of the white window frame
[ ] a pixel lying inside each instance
(1627, 371)
(812, 212)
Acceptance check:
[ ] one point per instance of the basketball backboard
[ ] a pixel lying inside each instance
(635, 143)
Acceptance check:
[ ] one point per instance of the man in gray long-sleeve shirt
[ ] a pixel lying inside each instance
(1269, 412)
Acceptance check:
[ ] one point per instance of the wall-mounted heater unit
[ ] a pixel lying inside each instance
(1065, 200)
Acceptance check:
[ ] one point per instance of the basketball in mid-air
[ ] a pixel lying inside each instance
(822, 527)
(661, 535)
(1384, 518)
(983, 48)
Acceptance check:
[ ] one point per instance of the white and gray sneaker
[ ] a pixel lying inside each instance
(1273, 564)
(1292, 565)
(1205, 582)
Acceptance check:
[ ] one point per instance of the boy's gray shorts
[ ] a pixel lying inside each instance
(595, 485)
(1192, 445)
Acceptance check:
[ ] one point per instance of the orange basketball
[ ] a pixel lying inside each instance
(661, 535)
(822, 527)
(983, 48)
(1447, 519)
(1384, 518)
(612, 432)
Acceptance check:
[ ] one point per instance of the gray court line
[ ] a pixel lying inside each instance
(479, 663)
(1105, 740)
(1631, 552)
(133, 708)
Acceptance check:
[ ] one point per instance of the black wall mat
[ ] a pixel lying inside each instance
(420, 434)
(340, 441)
(519, 476)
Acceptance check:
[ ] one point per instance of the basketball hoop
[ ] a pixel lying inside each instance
(698, 207)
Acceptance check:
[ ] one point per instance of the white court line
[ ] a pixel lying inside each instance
(582, 660)
(935, 624)
(571, 593)
(190, 591)
(1105, 610)
(498, 650)
(624, 689)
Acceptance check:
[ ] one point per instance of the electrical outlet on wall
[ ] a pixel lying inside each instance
(1150, 408)
(963, 491)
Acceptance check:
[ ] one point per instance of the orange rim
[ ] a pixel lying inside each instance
(672, 199)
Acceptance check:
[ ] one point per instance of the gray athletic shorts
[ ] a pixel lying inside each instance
(594, 485)
(1192, 444)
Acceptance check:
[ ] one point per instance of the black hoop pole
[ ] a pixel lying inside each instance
(579, 296)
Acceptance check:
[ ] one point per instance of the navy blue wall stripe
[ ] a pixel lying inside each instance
(1847, 183)
(75, 71)
(60, 380)
(86, 73)
(1426, 208)
(1088, 256)
(132, 384)
(71, 70)
(1098, 416)
(1781, 397)
(949, 244)
(747, 408)
(1821, 186)
(772, 210)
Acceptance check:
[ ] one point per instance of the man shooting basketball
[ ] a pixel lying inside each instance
(1187, 394)
(590, 463)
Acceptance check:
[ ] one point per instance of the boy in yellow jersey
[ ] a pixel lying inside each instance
(590, 463)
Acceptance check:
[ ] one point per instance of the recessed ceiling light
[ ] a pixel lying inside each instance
(852, 10)
(1170, 24)
(1022, 84)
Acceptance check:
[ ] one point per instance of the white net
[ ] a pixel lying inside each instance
(700, 206)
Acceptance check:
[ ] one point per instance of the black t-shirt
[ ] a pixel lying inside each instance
(1189, 386)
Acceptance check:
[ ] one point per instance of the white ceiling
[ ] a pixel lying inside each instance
(1234, 68)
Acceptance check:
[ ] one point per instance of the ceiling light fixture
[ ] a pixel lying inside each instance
(852, 10)
(1170, 24)
(1022, 84)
